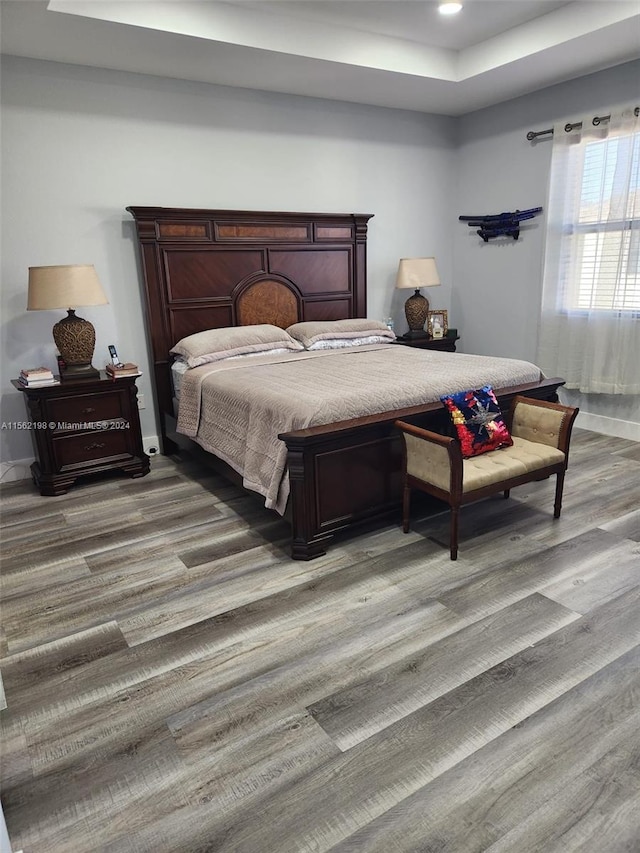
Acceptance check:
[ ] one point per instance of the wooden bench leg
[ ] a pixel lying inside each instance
(557, 506)
(406, 508)
(453, 534)
(506, 493)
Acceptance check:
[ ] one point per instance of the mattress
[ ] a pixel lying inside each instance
(236, 409)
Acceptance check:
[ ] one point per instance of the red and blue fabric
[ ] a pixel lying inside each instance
(478, 421)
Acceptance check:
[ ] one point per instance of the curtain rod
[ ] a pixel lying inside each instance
(534, 134)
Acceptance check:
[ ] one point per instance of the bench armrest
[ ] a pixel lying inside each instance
(432, 458)
(542, 422)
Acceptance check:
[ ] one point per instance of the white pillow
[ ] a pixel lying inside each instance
(341, 343)
(309, 333)
(216, 344)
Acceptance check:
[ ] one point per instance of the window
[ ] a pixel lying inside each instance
(590, 316)
(601, 252)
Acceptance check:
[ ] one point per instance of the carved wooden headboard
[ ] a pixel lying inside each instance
(205, 269)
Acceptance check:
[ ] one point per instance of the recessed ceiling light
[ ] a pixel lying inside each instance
(449, 8)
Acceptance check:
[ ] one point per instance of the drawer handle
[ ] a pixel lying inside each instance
(95, 446)
(87, 411)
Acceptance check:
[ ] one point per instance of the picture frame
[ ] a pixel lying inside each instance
(435, 317)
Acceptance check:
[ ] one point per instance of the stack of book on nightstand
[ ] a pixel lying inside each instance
(115, 371)
(37, 377)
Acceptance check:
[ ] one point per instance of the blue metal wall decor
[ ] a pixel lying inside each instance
(500, 224)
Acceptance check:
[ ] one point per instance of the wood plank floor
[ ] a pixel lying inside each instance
(175, 682)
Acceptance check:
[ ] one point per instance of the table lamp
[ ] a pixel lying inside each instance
(60, 287)
(415, 273)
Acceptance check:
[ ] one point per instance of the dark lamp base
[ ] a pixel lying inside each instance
(416, 309)
(413, 335)
(78, 371)
(76, 341)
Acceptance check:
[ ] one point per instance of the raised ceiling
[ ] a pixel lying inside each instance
(391, 53)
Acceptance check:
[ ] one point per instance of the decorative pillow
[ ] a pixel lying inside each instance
(310, 333)
(478, 421)
(216, 344)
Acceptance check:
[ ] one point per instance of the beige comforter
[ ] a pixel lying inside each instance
(236, 408)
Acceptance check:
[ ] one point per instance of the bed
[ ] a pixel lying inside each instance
(213, 269)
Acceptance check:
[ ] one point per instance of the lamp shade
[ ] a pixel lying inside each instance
(416, 273)
(67, 286)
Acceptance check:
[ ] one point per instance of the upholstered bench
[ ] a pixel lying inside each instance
(434, 463)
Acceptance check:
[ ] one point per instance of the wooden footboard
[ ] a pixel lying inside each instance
(349, 472)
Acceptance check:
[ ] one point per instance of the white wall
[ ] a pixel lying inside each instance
(80, 144)
(498, 285)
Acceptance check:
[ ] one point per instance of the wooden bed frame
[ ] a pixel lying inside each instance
(207, 269)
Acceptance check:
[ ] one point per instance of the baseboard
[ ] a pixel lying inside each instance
(20, 469)
(609, 426)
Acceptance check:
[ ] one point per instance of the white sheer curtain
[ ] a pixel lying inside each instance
(590, 320)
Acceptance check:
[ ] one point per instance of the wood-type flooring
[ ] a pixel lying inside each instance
(175, 682)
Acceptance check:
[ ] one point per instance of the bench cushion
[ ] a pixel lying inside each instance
(523, 457)
(430, 463)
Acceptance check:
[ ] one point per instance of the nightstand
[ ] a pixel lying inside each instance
(446, 344)
(81, 427)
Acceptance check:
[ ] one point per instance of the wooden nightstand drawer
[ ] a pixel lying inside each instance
(84, 426)
(86, 408)
(103, 446)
